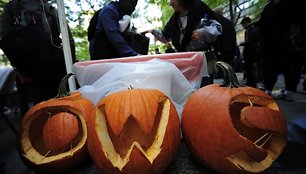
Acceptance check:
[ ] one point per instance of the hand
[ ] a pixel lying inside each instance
(147, 31)
(196, 35)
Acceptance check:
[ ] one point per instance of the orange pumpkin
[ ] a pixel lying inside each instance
(60, 130)
(233, 129)
(53, 133)
(134, 131)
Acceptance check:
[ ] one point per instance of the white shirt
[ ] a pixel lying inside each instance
(182, 25)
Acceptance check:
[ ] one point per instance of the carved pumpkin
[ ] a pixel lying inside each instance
(53, 133)
(233, 129)
(134, 131)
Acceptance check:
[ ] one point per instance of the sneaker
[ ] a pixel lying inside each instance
(283, 94)
(288, 95)
(268, 92)
(278, 94)
(261, 86)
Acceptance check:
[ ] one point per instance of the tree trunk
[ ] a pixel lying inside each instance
(232, 17)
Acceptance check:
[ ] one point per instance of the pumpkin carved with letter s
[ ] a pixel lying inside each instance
(135, 131)
(233, 129)
(53, 133)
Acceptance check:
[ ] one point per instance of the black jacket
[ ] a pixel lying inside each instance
(251, 44)
(196, 11)
(108, 41)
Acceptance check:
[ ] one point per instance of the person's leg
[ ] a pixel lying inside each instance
(291, 70)
(304, 85)
(304, 69)
(270, 71)
(248, 68)
(297, 65)
(23, 97)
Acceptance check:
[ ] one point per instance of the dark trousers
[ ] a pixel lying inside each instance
(39, 91)
(277, 60)
(249, 68)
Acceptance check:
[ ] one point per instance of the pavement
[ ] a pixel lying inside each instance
(10, 162)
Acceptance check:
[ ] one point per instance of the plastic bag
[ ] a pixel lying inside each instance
(193, 65)
(153, 74)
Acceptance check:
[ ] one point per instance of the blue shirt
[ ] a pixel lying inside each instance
(108, 22)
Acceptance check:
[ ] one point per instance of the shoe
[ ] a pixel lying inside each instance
(288, 95)
(268, 92)
(283, 94)
(261, 87)
(279, 94)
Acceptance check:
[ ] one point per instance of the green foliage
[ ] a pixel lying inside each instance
(78, 17)
(166, 10)
(258, 6)
(82, 50)
(216, 3)
(2, 4)
(4, 60)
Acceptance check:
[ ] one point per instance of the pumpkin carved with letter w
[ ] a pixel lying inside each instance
(135, 131)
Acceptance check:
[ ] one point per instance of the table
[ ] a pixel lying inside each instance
(184, 163)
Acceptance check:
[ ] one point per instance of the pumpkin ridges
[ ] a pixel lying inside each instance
(60, 130)
(73, 100)
(131, 109)
(172, 136)
(149, 108)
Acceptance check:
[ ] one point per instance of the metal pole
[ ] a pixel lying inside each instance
(66, 43)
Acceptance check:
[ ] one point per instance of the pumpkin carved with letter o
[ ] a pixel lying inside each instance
(135, 131)
(53, 133)
(233, 129)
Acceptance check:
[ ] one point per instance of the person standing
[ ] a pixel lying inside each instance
(192, 27)
(108, 40)
(277, 47)
(30, 38)
(181, 28)
(250, 51)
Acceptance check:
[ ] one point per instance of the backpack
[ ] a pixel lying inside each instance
(32, 43)
(226, 42)
(33, 12)
(92, 25)
(137, 41)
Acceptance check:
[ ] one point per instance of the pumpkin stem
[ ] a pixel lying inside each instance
(130, 87)
(229, 77)
(62, 89)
